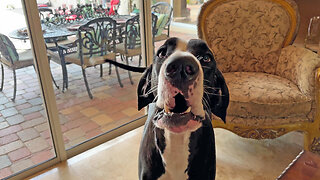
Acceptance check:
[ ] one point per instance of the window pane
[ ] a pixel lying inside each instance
(109, 99)
(181, 11)
(25, 137)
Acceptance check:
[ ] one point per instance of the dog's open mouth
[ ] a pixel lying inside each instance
(178, 119)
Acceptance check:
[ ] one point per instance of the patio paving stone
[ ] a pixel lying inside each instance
(93, 133)
(74, 134)
(42, 127)
(5, 162)
(28, 134)
(8, 139)
(32, 115)
(3, 100)
(9, 104)
(10, 147)
(36, 101)
(5, 172)
(130, 111)
(89, 112)
(102, 119)
(89, 126)
(21, 165)
(36, 145)
(23, 106)
(42, 156)
(31, 110)
(76, 123)
(19, 154)
(16, 119)
(46, 134)
(33, 122)
(2, 107)
(9, 112)
(10, 130)
(3, 125)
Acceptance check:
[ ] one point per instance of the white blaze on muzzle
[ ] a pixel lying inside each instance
(167, 91)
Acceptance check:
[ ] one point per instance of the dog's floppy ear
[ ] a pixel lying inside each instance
(144, 95)
(220, 104)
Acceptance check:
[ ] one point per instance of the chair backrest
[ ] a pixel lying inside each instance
(7, 49)
(248, 35)
(164, 12)
(132, 37)
(97, 37)
(154, 21)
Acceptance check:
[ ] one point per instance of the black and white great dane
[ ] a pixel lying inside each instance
(182, 87)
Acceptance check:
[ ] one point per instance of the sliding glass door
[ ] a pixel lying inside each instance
(50, 115)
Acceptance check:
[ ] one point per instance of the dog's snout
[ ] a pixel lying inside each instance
(182, 69)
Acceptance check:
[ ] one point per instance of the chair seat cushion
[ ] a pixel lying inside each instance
(89, 61)
(161, 37)
(25, 59)
(256, 95)
(130, 52)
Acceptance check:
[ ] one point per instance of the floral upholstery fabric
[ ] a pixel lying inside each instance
(260, 97)
(299, 65)
(247, 35)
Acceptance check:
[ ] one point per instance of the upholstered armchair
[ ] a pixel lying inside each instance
(273, 85)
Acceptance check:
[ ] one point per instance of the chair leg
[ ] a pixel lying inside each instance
(118, 75)
(86, 83)
(109, 68)
(312, 138)
(140, 58)
(54, 82)
(2, 77)
(129, 73)
(64, 71)
(101, 70)
(14, 85)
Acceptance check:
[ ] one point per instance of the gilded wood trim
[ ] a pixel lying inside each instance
(261, 132)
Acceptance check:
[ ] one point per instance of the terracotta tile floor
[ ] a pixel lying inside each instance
(25, 138)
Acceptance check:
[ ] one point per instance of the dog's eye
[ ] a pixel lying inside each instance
(162, 52)
(205, 58)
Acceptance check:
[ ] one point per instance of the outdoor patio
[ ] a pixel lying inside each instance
(24, 132)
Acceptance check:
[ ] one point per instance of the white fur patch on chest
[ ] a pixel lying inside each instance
(175, 155)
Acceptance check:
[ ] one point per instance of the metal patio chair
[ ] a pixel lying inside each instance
(96, 42)
(164, 11)
(14, 60)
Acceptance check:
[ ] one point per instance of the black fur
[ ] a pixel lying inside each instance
(201, 161)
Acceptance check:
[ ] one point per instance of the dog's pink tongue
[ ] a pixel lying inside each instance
(190, 125)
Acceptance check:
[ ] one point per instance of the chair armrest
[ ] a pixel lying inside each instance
(69, 48)
(299, 65)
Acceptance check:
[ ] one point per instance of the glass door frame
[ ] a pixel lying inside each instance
(43, 71)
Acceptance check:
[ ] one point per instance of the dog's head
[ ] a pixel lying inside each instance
(185, 84)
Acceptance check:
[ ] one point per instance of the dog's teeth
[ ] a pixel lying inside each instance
(188, 110)
(166, 109)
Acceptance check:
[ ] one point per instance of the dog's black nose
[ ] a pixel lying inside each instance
(182, 69)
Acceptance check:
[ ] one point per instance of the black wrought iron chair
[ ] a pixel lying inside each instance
(96, 42)
(163, 10)
(131, 40)
(14, 60)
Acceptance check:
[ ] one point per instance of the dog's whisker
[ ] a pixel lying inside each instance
(205, 103)
(152, 90)
(155, 99)
(207, 67)
(214, 88)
